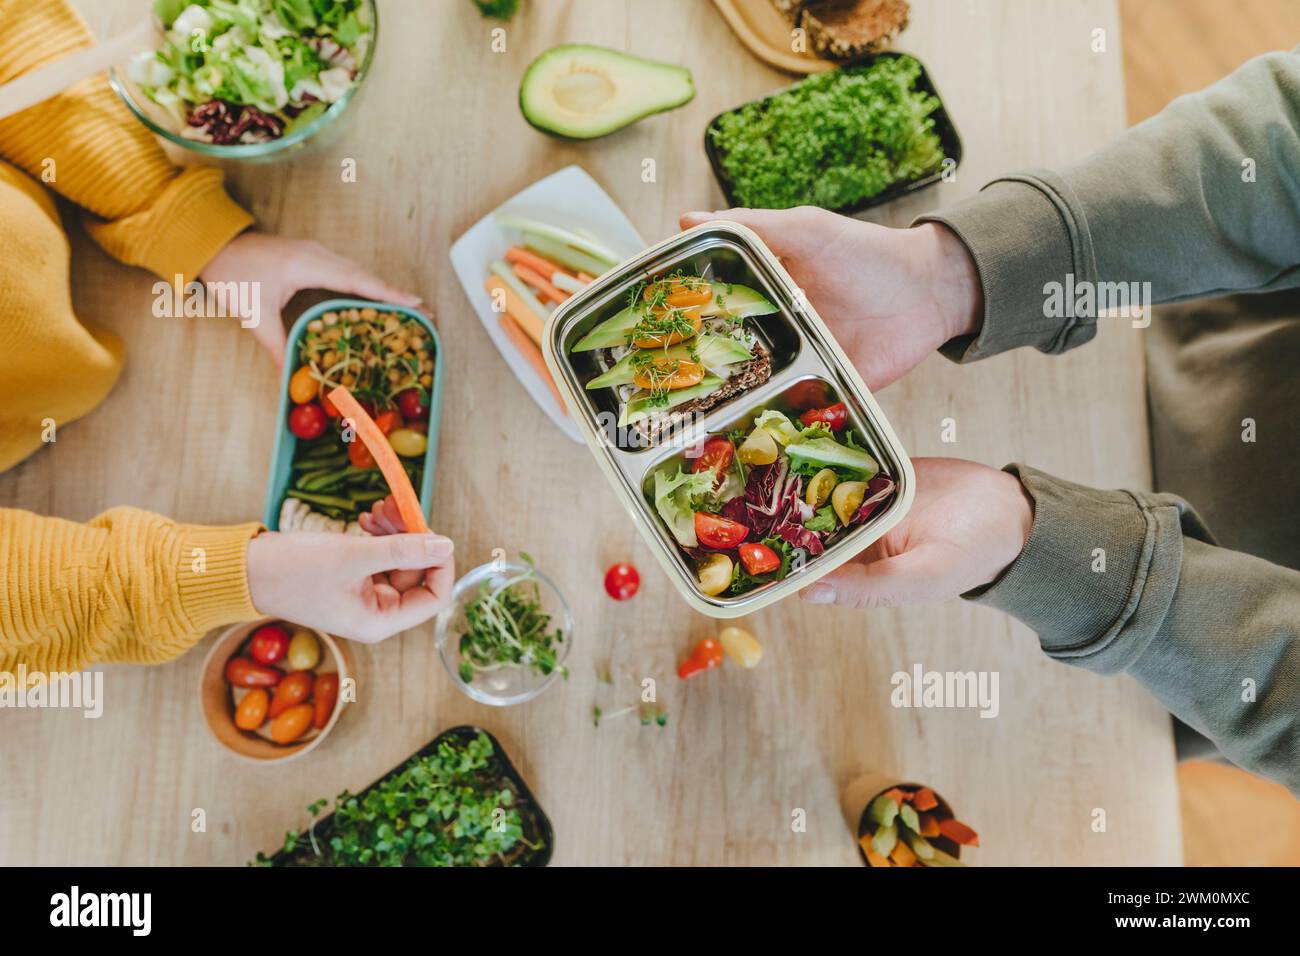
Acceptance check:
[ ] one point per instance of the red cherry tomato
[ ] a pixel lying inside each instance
(810, 393)
(388, 421)
(707, 655)
(327, 695)
(359, 455)
(308, 421)
(715, 531)
(242, 672)
(716, 457)
(622, 581)
(326, 404)
(269, 644)
(835, 416)
(759, 558)
(410, 401)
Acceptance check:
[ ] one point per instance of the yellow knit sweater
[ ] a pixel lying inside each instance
(127, 586)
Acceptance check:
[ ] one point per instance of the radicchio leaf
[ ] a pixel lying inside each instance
(879, 490)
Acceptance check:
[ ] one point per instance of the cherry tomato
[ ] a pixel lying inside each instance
(707, 655)
(835, 416)
(302, 386)
(622, 581)
(327, 695)
(388, 421)
(242, 672)
(269, 644)
(308, 421)
(293, 690)
(716, 457)
(326, 404)
(292, 724)
(810, 393)
(359, 455)
(715, 531)
(251, 712)
(759, 558)
(411, 403)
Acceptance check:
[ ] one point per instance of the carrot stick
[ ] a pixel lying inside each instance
(540, 283)
(529, 351)
(408, 503)
(896, 795)
(958, 832)
(517, 308)
(519, 256)
(924, 799)
(902, 854)
(874, 858)
(929, 825)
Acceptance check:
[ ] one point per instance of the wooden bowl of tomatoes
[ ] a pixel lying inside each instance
(272, 691)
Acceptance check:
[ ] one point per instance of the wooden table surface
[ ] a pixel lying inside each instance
(438, 140)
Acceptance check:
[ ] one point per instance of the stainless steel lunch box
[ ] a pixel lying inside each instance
(801, 348)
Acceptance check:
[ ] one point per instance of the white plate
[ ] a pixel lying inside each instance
(569, 199)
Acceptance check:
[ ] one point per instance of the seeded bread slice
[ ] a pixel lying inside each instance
(749, 375)
(849, 29)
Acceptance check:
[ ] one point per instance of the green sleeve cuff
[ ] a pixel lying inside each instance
(1098, 573)
(1023, 232)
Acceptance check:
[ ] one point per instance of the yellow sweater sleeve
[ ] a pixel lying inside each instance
(86, 146)
(127, 587)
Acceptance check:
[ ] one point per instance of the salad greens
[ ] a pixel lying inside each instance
(457, 806)
(497, 9)
(506, 627)
(675, 499)
(832, 140)
(243, 71)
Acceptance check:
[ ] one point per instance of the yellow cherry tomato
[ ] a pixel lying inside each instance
(846, 498)
(819, 488)
(715, 574)
(304, 650)
(408, 443)
(741, 646)
(669, 376)
(302, 387)
(759, 448)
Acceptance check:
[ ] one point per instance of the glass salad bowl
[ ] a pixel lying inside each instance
(506, 635)
(178, 88)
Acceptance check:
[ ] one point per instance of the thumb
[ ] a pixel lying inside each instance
(398, 552)
(907, 578)
(770, 224)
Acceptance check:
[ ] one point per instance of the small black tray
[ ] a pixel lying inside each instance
(461, 734)
(943, 127)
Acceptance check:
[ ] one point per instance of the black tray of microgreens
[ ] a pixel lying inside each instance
(457, 801)
(846, 140)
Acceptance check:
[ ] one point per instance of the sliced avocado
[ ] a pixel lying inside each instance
(828, 453)
(711, 351)
(736, 300)
(582, 92)
(640, 408)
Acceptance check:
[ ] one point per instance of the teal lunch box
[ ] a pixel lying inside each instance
(286, 443)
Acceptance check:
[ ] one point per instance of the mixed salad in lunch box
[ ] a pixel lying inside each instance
(386, 361)
(746, 506)
(678, 348)
(249, 71)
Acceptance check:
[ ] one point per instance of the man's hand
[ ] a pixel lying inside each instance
(889, 296)
(967, 524)
(283, 267)
(363, 588)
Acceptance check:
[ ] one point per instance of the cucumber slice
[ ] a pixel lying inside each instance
(591, 247)
(567, 256)
(712, 351)
(640, 408)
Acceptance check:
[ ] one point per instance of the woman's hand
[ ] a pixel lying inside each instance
(967, 524)
(364, 588)
(283, 267)
(890, 296)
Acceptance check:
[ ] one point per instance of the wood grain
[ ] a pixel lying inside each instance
(438, 140)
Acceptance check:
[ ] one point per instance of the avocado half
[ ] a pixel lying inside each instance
(579, 91)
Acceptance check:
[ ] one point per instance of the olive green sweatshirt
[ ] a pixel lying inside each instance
(1200, 201)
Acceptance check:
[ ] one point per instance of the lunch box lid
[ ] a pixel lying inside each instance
(806, 319)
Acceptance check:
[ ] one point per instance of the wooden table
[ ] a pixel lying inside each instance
(438, 140)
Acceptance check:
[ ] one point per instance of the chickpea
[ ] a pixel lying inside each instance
(399, 347)
(392, 324)
(329, 358)
(368, 313)
(417, 342)
(426, 380)
(394, 375)
(331, 318)
(352, 315)
(315, 325)
(349, 380)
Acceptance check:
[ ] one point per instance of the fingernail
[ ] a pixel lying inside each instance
(819, 593)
